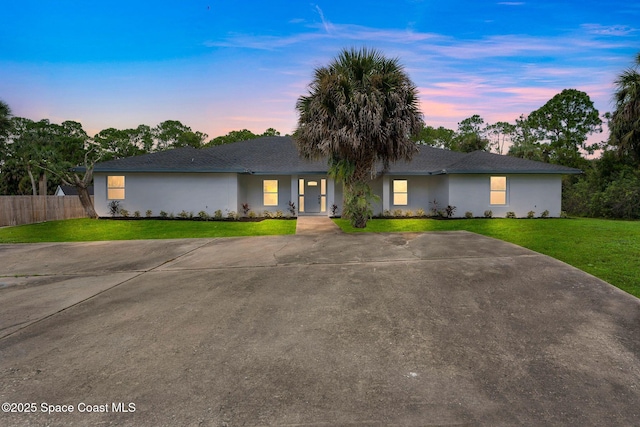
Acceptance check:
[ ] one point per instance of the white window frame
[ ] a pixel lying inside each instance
(115, 188)
(397, 194)
(266, 195)
(498, 186)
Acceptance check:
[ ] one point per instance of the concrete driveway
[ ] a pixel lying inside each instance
(375, 329)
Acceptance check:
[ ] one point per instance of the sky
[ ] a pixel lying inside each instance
(221, 65)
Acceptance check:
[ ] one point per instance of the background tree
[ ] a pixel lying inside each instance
(117, 143)
(563, 125)
(361, 109)
(439, 138)
(524, 142)
(171, 133)
(5, 119)
(500, 134)
(624, 122)
(471, 135)
(240, 135)
(28, 144)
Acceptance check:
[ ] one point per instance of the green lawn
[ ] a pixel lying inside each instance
(83, 230)
(607, 249)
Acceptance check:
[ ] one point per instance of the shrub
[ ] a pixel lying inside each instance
(397, 212)
(450, 210)
(292, 208)
(163, 214)
(114, 207)
(279, 214)
(435, 211)
(334, 209)
(531, 214)
(217, 214)
(148, 213)
(545, 214)
(184, 214)
(510, 214)
(420, 212)
(488, 214)
(136, 214)
(232, 215)
(267, 214)
(245, 209)
(124, 213)
(468, 214)
(252, 214)
(171, 215)
(408, 213)
(386, 213)
(203, 215)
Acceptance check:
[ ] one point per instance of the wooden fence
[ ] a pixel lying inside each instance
(17, 210)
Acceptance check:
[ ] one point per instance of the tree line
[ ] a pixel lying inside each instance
(37, 156)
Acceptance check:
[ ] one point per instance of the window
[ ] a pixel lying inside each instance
(301, 195)
(115, 187)
(323, 195)
(400, 195)
(270, 192)
(498, 193)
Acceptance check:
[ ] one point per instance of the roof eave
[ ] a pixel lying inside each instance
(514, 172)
(168, 170)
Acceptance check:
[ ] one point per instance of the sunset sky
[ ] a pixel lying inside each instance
(222, 65)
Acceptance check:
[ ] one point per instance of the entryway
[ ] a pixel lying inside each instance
(312, 195)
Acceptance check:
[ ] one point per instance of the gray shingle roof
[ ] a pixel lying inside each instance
(279, 155)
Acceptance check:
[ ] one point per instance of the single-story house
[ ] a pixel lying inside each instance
(267, 173)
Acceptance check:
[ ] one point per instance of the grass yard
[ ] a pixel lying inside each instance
(84, 230)
(607, 249)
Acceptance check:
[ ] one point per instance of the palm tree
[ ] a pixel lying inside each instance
(625, 121)
(361, 109)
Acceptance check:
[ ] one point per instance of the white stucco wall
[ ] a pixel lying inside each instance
(526, 192)
(171, 192)
(251, 192)
(422, 191)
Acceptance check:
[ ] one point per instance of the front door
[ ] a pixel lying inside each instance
(312, 195)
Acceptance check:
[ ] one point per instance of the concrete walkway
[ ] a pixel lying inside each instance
(316, 225)
(367, 329)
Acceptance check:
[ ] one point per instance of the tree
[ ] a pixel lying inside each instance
(499, 134)
(116, 143)
(471, 135)
(524, 143)
(5, 119)
(271, 132)
(361, 109)
(171, 134)
(563, 124)
(27, 147)
(440, 137)
(70, 158)
(624, 123)
(240, 135)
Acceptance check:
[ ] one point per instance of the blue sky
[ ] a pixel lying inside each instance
(220, 65)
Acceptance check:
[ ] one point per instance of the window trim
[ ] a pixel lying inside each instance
(498, 191)
(266, 193)
(399, 193)
(111, 188)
